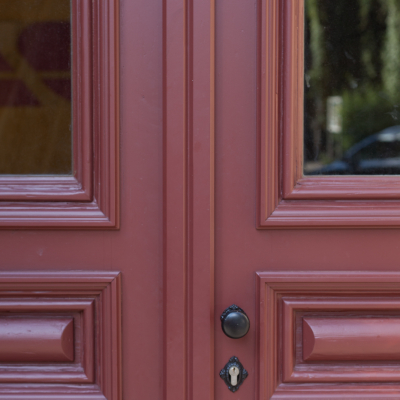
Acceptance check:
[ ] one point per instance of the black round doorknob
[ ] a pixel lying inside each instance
(235, 323)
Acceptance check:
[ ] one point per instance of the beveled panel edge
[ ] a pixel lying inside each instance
(351, 339)
(36, 339)
(28, 301)
(369, 300)
(106, 285)
(286, 199)
(269, 285)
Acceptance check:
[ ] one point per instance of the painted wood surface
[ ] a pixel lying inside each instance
(338, 363)
(188, 71)
(287, 199)
(253, 40)
(36, 339)
(135, 249)
(181, 214)
(89, 198)
(351, 339)
(60, 330)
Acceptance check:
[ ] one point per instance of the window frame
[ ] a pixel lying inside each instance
(88, 198)
(286, 198)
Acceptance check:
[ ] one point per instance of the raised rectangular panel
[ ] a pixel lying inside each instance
(60, 335)
(351, 339)
(36, 339)
(328, 335)
(81, 369)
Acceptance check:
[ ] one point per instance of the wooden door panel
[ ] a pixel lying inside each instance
(90, 196)
(286, 198)
(358, 337)
(170, 53)
(59, 330)
(241, 249)
(135, 249)
(258, 185)
(320, 329)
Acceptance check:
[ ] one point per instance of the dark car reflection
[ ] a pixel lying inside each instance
(378, 154)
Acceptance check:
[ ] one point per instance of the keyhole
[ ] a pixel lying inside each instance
(234, 373)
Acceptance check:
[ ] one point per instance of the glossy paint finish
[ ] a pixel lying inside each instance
(247, 103)
(82, 369)
(36, 339)
(286, 299)
(241, 249)
(170, 232)
(351, 339)
(188, 139)
(136, 248)
(92, 299)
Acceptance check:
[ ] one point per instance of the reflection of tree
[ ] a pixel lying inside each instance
(391, 53)
(353, 51)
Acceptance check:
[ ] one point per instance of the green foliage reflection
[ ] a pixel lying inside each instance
(353, 52)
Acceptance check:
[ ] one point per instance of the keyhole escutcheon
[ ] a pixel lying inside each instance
(233, 374)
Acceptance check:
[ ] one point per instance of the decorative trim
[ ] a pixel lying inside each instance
(350, 338)
(189, 40)
(287, 199)
(37, 338)
(82, 311)
(90, 198)
(284, 298)
(93, 300)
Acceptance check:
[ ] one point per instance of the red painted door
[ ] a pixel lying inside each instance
(189, 201)
(68, 263)
(310, 260)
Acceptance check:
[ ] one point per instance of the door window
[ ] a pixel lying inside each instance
(35, 87)
(351, 87)
(59, 121)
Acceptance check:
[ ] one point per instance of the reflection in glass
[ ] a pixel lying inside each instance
(35, 87)
(352, 87)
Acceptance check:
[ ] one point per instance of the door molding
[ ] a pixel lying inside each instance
(286, 198)
(89, 198)
(91, 301)
(285, 299)
(188, 69)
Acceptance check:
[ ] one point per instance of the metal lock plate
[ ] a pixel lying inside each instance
(233, 374)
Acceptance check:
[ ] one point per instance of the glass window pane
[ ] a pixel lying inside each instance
(352, 87)
(35, 87)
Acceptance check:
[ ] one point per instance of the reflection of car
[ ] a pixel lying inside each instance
(378, 154)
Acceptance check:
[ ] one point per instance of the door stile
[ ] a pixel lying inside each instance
(202, 73)
(188, 199)
(175, 199)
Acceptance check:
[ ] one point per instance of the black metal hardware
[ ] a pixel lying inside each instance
(225, 375)
(235, 323)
